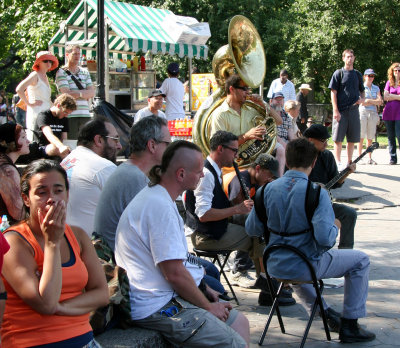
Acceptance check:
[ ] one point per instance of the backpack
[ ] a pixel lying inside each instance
(310, 204)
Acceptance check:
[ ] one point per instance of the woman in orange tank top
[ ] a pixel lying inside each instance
(51, 273)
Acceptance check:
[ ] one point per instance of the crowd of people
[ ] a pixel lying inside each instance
(51, 271)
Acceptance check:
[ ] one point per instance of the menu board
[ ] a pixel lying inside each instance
(203, 85)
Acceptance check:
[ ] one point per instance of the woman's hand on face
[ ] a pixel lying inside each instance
(52, 221)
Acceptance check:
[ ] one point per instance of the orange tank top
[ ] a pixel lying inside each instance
(24, 327)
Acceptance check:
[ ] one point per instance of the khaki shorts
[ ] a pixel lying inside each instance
(368, 119)
(192, 326)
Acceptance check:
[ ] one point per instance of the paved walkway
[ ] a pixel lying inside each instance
(374, 190)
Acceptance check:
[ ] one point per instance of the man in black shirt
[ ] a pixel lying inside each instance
(325, 169)
(301, 97)
(51, 126)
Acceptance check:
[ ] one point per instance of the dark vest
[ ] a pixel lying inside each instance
(213, 229)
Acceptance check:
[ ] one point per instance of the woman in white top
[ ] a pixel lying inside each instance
(38, 89)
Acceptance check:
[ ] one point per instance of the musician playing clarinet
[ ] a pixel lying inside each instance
(325, 169)
(208, 210)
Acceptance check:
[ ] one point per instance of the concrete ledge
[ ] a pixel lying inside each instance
(134, 337)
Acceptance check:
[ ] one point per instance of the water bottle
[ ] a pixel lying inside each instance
(4, 223)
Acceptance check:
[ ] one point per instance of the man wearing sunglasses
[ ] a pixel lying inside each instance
(325, 169)
(236, 117)
(209, 211)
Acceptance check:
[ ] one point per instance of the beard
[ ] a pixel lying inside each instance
(277, 108)
(109, 153)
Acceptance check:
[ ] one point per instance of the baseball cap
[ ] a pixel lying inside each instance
(277, 94)
(156, 93)
(317, 131)
(369, 72)
(268, 162)
(173, 68)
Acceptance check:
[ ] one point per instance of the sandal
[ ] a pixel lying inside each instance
(371, 161)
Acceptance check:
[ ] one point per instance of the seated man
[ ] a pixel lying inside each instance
(286, 215)
(163, 277)
(208, 209)
(154, 105)
(51, 127)
(325, 169)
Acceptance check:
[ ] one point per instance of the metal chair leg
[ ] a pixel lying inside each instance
(226, 278)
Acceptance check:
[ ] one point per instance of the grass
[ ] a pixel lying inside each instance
(381, 139)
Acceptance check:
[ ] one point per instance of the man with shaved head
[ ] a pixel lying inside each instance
(167, 291)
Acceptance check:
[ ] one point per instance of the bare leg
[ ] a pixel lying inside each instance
(360, 146)
(369, 143)
(241, 326)
(280, 156)
(350, 150)
(337, 147)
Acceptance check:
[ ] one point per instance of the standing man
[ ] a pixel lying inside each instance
(75, 81)
(301, 97)
(174, 91)
(284, 85)
(88, 167)
(148, 140)
(164, 278)
(51, 127)
(347, 93)
(288, 224)
(154, 104)
(324, 170)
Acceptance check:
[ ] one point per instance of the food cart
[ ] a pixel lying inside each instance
(130, 29)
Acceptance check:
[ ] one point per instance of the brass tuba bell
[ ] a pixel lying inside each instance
(245, 56)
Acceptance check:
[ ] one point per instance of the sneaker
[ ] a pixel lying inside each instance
(242, 279)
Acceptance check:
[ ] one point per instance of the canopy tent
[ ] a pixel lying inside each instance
(131, 28)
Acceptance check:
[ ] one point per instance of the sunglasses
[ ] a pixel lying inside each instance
(371, 76)
(47, 61)
(396, 69)
(243, 88)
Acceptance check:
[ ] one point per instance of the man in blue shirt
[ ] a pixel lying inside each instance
(285, 214)
(347, 93)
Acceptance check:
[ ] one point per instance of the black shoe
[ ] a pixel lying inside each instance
(225, 297)
(392, 162)
(333, 319)
(351, 332)
(265, 299)
(262, 284)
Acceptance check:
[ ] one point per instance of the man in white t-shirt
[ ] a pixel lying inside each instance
(154, 104)
(164, 279)
(88, 167)
(284, 85)
(174, 91)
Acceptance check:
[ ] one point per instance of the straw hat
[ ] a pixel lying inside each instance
(45, 55)
(305, 86)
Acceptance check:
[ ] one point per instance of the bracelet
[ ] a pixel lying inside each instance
(3, 295)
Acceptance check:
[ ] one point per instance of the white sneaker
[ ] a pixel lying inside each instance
(341, 166)
(242, 279)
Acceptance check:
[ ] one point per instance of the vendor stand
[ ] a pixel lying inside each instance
(130, 29)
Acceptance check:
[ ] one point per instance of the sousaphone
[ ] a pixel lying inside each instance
(244, 55)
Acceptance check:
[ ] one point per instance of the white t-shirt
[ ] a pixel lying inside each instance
(87, 173)
(145, 112)
(150, 231)
(174, 91)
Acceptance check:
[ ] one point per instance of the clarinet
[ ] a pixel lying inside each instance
(241, 182)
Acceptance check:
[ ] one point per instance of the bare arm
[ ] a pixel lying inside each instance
(389, 97)
(96, 290)
(182, 282)
(336, 113)
(220, 214)
(48, 133)
(32, 79)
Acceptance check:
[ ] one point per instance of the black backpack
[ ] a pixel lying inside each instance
(310, 204)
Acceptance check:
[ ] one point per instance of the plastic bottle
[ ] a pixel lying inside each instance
(84, 61)
(142, 63)
(148, 59)
(4, 223)
(135, 63)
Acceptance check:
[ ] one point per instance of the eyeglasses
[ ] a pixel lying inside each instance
(323, 141)
(235, 151)
(371, 76)
(47, 61)
(243, 88)
(116, 139)
(162, 142)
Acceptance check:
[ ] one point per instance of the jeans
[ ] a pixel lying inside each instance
(393, 132)
(212, 276)
(20, 116)
(347, 217)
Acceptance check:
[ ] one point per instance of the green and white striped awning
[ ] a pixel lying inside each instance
(132, 28)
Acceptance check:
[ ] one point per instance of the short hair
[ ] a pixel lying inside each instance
(66, 101)
(232, 81)
(300, 153)
(70, 48)
(147, 128)
(347, 51)
(291, 104)
(96, 126)
(157, 171)
(221, 138)
(284, 72)
(40, 166)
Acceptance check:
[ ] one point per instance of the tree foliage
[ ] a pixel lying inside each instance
(305, 36)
